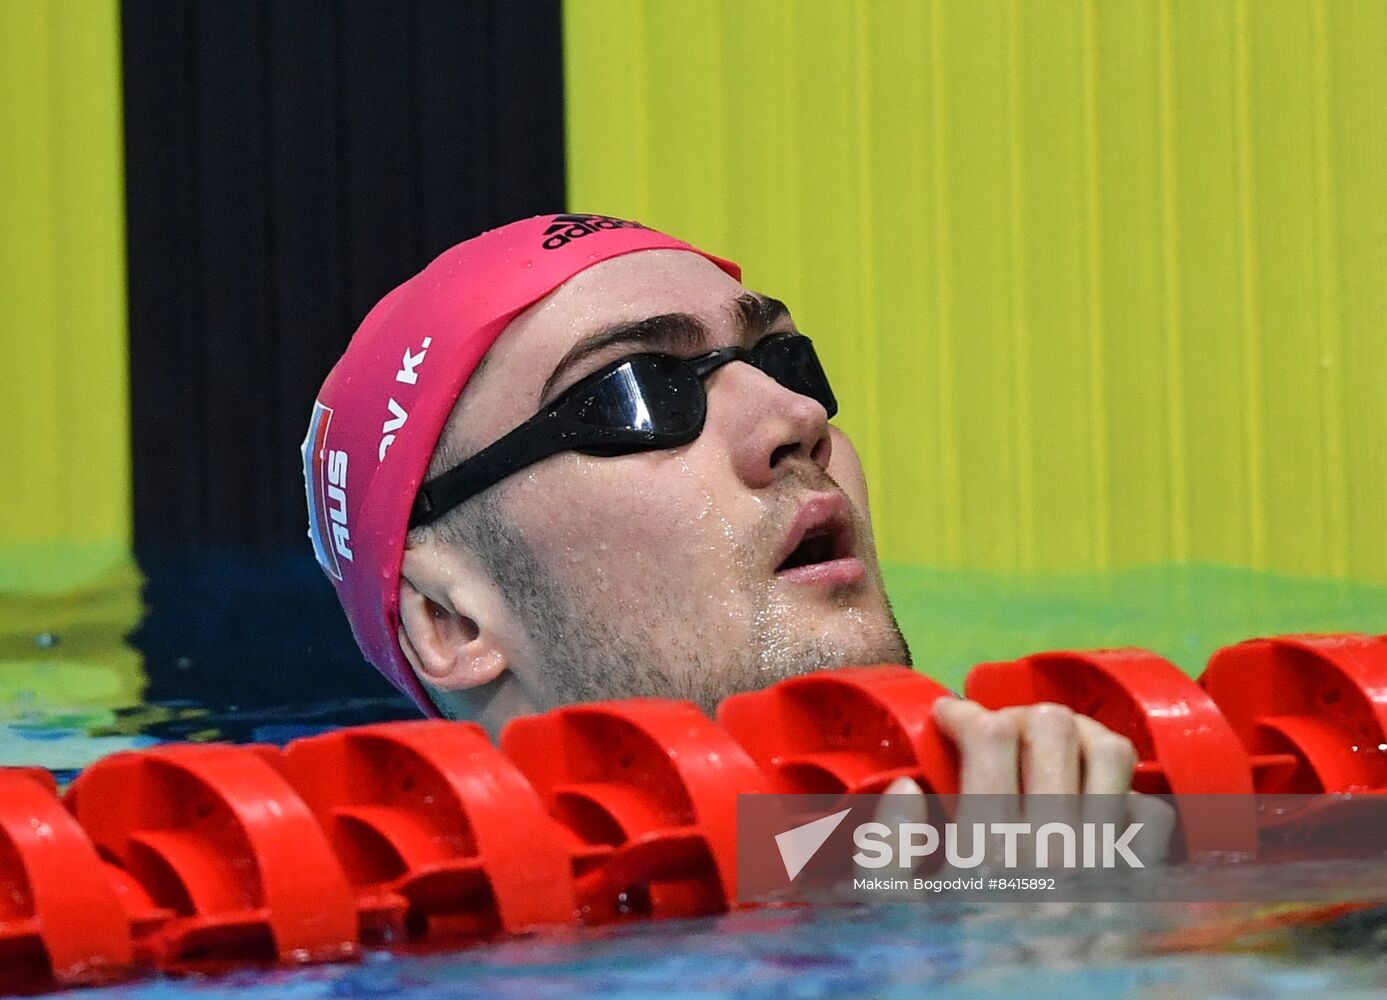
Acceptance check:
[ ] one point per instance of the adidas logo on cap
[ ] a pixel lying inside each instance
(566, 228)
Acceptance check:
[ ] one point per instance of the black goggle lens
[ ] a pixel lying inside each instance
(791, 361)
(651, 393)
(642, 403)
(660, 396)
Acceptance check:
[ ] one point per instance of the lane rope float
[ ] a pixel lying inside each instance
(425, 834)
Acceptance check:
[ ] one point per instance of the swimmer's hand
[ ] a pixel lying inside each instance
(1045, 749)
(1050, 750)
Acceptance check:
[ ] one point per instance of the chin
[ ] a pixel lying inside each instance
(857, 637)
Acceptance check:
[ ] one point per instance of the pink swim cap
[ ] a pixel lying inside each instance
(384, 404)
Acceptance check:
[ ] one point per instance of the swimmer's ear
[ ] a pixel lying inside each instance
(444, 645)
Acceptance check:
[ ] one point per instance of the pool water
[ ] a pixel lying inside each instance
(233, 647)
(896, 950)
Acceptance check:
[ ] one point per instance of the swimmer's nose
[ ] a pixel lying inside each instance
(770, 426)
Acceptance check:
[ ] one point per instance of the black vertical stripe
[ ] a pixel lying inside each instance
(165, 267)
(307, 284)
(235, 335)
(287, 163)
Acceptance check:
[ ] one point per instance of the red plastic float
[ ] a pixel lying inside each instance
(1182, 739)
(61, 920)
(851, 730)
(218, 837)
(647, 792)
(1183, 742)
(201, 856)
(1318, 703)
(427, 818)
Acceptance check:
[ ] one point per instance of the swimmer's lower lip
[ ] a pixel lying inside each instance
(834, 573)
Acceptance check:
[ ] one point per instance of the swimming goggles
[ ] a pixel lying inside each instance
(643, 402)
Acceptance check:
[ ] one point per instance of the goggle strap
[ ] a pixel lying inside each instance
(509, 454)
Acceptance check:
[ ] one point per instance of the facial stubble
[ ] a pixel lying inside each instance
(590, 647)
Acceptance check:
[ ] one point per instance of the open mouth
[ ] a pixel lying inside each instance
(820, 546)
(820, 533)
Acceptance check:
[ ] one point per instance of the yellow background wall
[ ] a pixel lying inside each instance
(1100, 284)
(65, 565)
(64, 447)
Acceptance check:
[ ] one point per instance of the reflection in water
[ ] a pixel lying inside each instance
(216, 647)
(255, 649)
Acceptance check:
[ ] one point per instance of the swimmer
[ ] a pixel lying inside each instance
(577, 459)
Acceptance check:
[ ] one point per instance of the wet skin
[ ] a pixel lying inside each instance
(664, 573)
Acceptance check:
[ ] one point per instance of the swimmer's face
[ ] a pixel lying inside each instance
(675, 573)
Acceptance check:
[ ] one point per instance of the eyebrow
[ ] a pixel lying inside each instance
(754, 313)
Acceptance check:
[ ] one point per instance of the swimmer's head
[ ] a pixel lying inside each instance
(734, 553)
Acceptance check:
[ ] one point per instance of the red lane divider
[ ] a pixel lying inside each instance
(1183, 742)
(440, 834)
(43, 776)
(1318, 703)
(61, 920)
(647, 792)
(855, 729)
(197, 857)
(217, 836)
